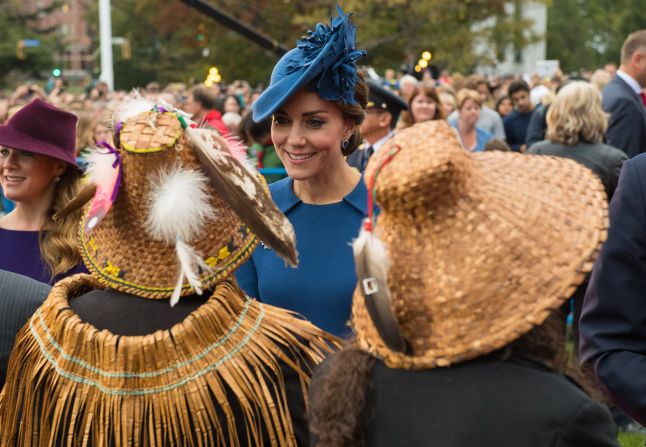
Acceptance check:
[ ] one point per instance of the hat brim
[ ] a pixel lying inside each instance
(276, 95)
(14, 139)
(378, 94)
(472, 272)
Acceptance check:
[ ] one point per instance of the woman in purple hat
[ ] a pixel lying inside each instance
(316, 101)
(39, 174)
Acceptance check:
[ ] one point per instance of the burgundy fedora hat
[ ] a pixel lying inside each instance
(42, 128)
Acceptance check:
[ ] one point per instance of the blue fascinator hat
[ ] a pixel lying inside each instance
(325, 58)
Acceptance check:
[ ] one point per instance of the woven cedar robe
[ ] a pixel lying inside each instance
(217, 378)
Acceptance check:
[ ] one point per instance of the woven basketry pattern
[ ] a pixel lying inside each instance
(481, 246)
(122, 254)
(150, 132)
(73, 384)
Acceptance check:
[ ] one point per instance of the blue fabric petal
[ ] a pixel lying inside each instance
(334, 47)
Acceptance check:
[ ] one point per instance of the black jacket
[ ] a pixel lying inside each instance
(20, 296)
(537, 125)
(627, 125)
(488, 402)
(604, 160)
(359, 159)
(613, 321)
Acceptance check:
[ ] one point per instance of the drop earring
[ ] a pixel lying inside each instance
(345, 144)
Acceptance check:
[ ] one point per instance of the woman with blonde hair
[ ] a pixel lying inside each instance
(423, 105)
(474, 138)
(40, 174)
(576, 124)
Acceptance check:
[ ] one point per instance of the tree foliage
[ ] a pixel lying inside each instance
(16, 25)
(586, 34)
(165, 44)
(172, 42)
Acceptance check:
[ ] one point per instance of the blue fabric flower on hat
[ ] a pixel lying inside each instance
(334, 47)
(326, 57)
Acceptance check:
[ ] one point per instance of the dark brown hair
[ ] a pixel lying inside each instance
(497, 144)
(338, 400)
(355, 113)
(205, 98)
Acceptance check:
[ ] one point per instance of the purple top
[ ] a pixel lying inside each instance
(20, 253)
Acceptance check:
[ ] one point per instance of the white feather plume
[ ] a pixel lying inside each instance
(171, 108)
(189, 261)
(179, 205)
(132, 106)
(370, 250)
(99, 166)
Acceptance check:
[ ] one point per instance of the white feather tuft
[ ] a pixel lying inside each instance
(132, 106)
(374, 250)
(189, 261)
(171, 108)
(179, 205)
(99, 166)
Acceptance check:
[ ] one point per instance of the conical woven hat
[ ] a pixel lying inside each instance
(481, 246)
(125, 255)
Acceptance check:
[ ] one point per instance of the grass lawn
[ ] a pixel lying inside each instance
(631, 440)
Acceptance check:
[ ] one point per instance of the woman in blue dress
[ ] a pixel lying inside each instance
(317, 101)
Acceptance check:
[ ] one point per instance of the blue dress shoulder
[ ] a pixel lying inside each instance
(482, 137)
(321, 287)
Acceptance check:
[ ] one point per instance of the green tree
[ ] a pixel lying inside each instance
(585, 34)
(172, 42)
(166, 45)
(15, 26)
(399, 30)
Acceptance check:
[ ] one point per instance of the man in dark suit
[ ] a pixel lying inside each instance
(382, 113)
(613, 319)
(19, 298)
(625, 100)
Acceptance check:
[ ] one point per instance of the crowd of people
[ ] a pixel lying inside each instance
(337, 259)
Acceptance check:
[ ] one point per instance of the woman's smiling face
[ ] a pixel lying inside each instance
(27, 176)
(307, 132)
(423, 108)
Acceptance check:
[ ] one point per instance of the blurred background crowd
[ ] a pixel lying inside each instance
(509, 111)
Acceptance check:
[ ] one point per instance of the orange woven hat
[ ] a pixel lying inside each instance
(173, 210)
(479, 247)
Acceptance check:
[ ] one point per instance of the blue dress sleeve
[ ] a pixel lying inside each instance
(247, 278)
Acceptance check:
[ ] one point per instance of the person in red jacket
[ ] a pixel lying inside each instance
(201, 104)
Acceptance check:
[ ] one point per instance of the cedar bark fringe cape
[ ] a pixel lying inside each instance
(71, 384)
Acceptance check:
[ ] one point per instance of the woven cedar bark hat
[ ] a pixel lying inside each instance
(186, 212)
(481, 247)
